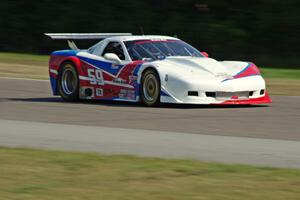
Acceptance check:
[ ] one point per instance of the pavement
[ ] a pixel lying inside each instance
(260, 135)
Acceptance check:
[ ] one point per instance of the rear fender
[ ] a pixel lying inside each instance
(76, 61)
(56, 63)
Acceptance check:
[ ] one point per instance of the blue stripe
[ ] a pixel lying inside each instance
(53, 83)
(162, 93)
(106, 66)
(65, 53)
(249, 64)
(136, 70)
(136, 85)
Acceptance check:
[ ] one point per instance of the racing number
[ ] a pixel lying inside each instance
(95, 76)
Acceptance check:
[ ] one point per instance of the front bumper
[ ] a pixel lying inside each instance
(265, 99)
(206, 92)
(251, 101)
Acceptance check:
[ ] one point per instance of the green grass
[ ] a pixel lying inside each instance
(24, 65)
(25, 59)
(279, 81)
(280, 73)
(38, 174)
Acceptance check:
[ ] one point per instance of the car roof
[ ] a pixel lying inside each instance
(98, 47)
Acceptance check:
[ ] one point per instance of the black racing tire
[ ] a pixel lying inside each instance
(68, 82)
(150, 88)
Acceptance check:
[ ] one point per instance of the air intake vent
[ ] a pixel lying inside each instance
(192, 93)
(210, 94)
(262, 92)
(88, 92)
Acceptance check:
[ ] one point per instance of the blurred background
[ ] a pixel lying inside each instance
(263, 31)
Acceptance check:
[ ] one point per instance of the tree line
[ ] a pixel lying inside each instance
(263, 31)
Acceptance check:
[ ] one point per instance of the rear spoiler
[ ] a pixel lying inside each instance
(82, 36)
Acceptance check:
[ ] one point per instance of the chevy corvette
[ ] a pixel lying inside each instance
(150, 69)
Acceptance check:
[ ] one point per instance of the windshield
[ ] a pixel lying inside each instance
(159, 49)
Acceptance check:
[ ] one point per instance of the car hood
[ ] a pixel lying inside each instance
(192, 66)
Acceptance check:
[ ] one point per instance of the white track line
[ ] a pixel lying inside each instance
(25, 79)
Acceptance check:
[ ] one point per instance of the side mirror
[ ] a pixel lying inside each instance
(204, 54)
(112, 57)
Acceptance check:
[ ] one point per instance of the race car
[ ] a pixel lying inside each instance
(150, 69)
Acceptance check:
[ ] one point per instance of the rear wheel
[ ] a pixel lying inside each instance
(68, 83)
(150, 90)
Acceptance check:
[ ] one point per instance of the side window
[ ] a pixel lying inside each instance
(116, 48)
(92, 49)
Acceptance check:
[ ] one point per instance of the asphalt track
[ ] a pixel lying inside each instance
(270, 134)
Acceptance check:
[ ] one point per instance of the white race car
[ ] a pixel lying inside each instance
(151, 69)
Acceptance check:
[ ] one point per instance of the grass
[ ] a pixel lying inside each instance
(284, 86)
(279, 81)
(25, 59)
(23, 66)
(274, 73)
(29, 174)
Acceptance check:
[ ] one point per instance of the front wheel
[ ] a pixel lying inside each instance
(150, 88)
(68, 83)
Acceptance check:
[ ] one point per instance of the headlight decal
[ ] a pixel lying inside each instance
(249, 70)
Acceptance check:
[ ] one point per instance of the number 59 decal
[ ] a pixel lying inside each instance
(95, 76)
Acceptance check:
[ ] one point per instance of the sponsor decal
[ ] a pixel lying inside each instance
(132, 79)
(119, 81)
(166, 77)
(127, 94)
(99, 92)
(224, 76)
(235, 97)
(114, 66)
(110, 91)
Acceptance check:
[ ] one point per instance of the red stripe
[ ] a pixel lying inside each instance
(260, 100)
(249, 71)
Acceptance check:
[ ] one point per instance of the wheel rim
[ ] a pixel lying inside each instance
(68, 81)
(150, 88)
